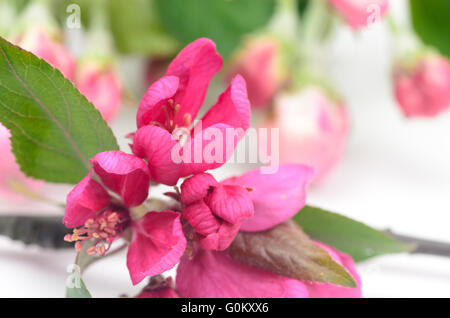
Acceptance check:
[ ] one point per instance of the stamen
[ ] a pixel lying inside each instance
(104, 228)
(176, 110)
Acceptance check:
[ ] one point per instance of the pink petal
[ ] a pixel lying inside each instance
(221, 239)
(156, 144)
(196, 187)
(276, 197)
(150, 107)
(230, 203)
(217, 275)
(208, 149)
(158, 243)
(200, 217)
(195, 65)
(232, 107)
(84, 201)
(320, 290)
(125, 174)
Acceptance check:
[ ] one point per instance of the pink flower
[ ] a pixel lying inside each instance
(214, 210)
(260, 63)
(170, 105)
(251, 202)
(40, 42)
(157, 239)
(12, 180)
(101, 86)
(424, 89)
(313, 130)
(360, 13)
(276, 198)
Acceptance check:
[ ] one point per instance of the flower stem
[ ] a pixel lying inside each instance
(423, 246)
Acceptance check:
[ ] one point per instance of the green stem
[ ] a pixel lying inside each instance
(285, 21)
(317, 22)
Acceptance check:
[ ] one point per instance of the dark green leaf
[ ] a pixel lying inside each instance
(55, 130)
(301, 6)
(349, 236)
(285, 250)
(431, 21)
(223, 21)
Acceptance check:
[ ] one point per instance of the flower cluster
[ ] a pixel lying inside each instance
(111, 201)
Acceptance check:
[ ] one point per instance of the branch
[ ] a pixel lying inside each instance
(423, 246)
(44, 231)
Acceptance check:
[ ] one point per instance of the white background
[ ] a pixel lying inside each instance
(395, 174)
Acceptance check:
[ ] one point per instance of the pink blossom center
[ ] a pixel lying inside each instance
(104, 228)
(171, 112)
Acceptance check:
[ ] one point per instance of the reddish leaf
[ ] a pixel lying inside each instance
(286, 250)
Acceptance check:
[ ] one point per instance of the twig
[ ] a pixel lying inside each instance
(423, 246)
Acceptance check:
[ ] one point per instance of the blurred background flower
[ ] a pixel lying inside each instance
(422, 87)
(313, 129)
(368, 160)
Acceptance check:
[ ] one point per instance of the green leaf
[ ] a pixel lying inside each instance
(223, 21)
(78, 291)
(349, 236)
(431, 22)
(301, 6)
(75, 287)
(287, 251)
(55, 130)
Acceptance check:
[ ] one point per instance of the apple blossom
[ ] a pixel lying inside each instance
(170, 105)
(157, 239)
(276, 198)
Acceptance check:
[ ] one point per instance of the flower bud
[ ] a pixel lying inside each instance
(101, 85)
(313, 129)
(422, 89)
(361, 13)
(260, 62)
